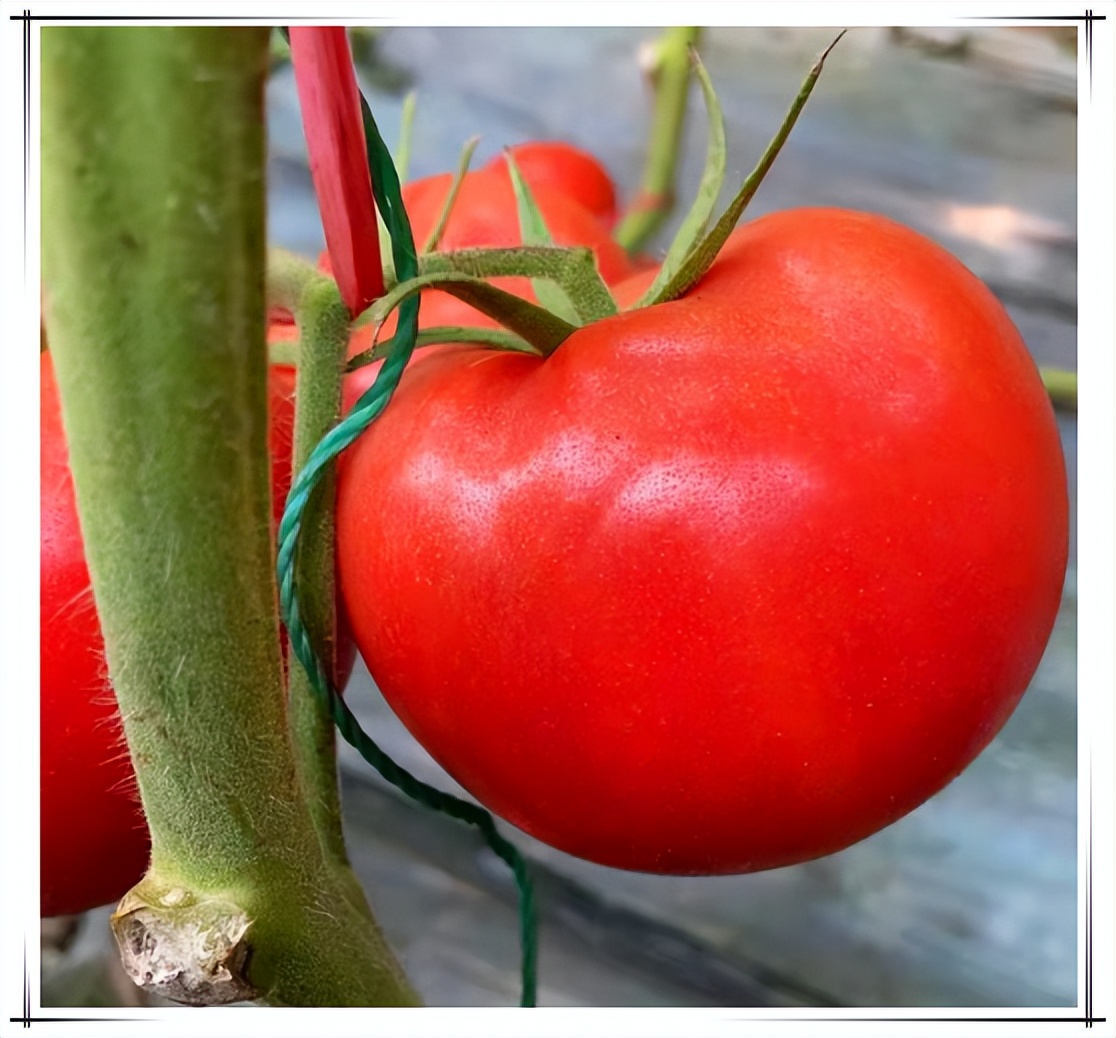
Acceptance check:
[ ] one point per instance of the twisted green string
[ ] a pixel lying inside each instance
(386, 189)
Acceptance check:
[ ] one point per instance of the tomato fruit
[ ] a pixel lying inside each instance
(569, 170)
(726, 583)
(94, 839)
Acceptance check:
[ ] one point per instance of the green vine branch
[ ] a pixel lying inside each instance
(153, 259)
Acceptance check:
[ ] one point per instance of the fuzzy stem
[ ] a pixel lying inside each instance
(288, 276)
(671, 78)
(324, 337)
(153, 256)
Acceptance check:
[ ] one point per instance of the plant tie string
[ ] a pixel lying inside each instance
(386, 190)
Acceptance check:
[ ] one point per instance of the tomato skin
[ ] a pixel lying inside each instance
(567, 169)
(728, 583)
(94, 838)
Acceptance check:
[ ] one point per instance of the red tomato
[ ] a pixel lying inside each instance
(569, 170)
(94, 840)
(724, 584)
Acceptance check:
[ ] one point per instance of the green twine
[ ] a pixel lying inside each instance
(386, 189)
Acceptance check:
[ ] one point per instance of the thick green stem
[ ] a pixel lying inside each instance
(153, 257)
(671, 78)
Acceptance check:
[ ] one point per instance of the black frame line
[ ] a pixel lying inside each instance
(27, 1019)
(1087, 1018)
(1089, 904)
(1088, 18)
(26, 129)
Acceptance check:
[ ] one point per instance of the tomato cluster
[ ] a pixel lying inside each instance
(723, 584)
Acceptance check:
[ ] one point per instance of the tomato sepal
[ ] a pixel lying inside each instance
(439, 228)
(700, 258)
(533, 229)
(544, 330)
(712, 179)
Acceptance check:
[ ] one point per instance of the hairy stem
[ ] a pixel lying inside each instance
(153, 259)
(324, 337)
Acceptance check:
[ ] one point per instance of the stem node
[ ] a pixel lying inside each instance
(189, 950)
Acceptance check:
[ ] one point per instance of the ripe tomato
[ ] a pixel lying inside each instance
(727, 583)
(94, 840)
(569, 170)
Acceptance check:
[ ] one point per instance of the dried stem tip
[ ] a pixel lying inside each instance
(185, 949)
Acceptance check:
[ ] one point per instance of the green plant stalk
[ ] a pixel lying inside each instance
(153, 247)
(288, 276)
(1061, 386)
(323, 321)
(671, 79)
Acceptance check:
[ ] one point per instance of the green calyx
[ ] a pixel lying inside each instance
(698, 257)
(538, 326)
(435, 237)
(713, 176)
(566, 281)
(534, 231)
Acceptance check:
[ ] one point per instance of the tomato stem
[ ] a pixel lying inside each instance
(323, 321)
(670, 77)
(406, 135)
(288, 277)
(153, 258)
(1061, 386)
